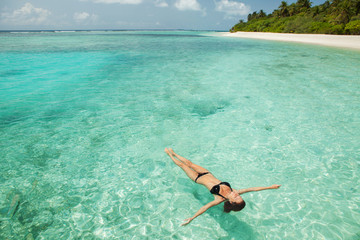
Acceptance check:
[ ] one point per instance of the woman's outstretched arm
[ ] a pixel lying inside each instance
(255, 189)
(202, 210)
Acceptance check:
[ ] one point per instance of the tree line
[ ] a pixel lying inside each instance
(331, 17)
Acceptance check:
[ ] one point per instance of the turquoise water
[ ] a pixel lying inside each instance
(85, 117)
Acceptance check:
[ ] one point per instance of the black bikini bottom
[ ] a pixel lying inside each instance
(201, 174)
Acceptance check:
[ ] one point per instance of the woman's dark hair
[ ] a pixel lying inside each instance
(228, 207)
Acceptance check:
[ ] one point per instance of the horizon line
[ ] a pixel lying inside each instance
(109, 30)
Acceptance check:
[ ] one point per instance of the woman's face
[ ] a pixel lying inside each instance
(235, 198)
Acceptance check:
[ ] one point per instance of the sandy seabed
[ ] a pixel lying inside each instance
(342, 41)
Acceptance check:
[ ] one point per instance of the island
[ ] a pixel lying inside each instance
(340, 17)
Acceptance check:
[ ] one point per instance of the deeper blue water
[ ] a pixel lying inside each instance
(85, 118)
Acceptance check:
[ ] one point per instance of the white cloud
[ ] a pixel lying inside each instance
(232, 8)
(26, 15)
(184, 5)
(84, 17)
(161, 3)
(134, 2)
(81, 16)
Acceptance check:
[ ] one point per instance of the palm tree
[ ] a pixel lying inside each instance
(284, 11)
(325, 6)
(261, 14)
(344, 9)
(303, 4)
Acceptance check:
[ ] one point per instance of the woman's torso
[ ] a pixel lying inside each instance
(209, 181)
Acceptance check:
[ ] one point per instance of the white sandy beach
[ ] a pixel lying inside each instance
(342, 41)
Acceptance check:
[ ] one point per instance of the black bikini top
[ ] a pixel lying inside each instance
(216, 189)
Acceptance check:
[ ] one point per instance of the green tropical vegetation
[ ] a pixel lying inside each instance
(331, 17)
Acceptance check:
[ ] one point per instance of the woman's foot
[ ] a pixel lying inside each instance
(168, 152)
(176, 161)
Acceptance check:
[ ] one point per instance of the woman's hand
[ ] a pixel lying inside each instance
(275, 186)
(187, 221)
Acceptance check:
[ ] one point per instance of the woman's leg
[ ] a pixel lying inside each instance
(195, 167)
(189, 172)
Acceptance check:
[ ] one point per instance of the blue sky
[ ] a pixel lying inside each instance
(129, 14)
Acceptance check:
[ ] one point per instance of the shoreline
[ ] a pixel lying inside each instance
(340, 41)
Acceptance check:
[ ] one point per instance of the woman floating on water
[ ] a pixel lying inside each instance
(222, 191)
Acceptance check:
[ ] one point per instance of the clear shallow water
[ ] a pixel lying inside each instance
(85, 117)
